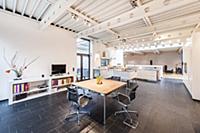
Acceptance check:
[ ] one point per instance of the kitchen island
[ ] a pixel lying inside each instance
(144, 72)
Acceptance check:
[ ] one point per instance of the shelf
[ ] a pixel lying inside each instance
(59, 90)
(61, 76)
(31, 97)
(38, 89)
(29, 80)
(57, 86)
(35, 92)
(31, 91)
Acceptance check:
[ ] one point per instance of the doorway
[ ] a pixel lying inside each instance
(83, 59)
(83, 67)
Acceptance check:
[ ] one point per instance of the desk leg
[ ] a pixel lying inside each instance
(104, 110)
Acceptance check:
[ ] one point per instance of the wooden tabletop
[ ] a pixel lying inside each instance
(107, 87)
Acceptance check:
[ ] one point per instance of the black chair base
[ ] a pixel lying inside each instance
(133, 123)
(76, 114)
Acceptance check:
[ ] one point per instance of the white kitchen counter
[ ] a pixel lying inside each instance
(145, 72)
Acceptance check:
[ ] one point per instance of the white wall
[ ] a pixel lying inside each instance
(196, 65)
(191, 54)
(52, 45)
(97, 54)
(116, 56)
(187, 58)
(167, 58)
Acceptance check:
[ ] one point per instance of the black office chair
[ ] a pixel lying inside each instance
(116, 78)
(125, 100)
(79, 100)
(130, 84)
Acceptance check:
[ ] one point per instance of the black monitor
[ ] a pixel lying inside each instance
(58, 69)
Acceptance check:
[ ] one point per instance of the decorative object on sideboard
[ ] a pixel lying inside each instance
(99, 80)
(17, 68)
(68, 70)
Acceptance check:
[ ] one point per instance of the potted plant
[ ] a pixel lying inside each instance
(99, 80)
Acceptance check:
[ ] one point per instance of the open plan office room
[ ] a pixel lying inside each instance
(99, 66)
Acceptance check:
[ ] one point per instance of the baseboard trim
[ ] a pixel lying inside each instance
(190, 93)
(4, 100)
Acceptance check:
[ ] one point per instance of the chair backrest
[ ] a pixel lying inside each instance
(72, 94)
(132, 95)
(116, 78)
(132, 86)
(165, 68)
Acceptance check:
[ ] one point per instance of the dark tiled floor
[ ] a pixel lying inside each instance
(164, 107)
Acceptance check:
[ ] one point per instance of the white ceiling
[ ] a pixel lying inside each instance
(114, 22)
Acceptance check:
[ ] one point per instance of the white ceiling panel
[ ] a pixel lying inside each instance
(95, 12)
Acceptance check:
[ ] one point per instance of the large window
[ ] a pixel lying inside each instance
(83, 59)
(83, 46)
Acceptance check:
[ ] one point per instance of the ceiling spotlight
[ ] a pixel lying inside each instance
(87, 23)
(134, 3)
(74, 16)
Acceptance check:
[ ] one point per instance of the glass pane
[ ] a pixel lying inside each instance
(78, 71)
(85, 67)
(83, 46)
(104, 62)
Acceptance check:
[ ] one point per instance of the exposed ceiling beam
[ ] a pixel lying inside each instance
(196, 27)
(174, 24)
(57, 10)
(146, 18)
(81, 15)
(14, 5)
(147, 39)
(42, 12)
(24, 8)
(36, 4)
(149, 9)
(4, 4)
(89, 19)
(63, 20)
(17, 15)
(174, 35)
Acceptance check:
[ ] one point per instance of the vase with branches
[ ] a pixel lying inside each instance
(13, 67)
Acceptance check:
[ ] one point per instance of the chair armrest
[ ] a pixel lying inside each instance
(83, 101)
(123, 99)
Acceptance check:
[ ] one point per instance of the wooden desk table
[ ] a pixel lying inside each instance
(104, 89)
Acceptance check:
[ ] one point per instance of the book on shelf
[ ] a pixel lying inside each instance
(18, 88)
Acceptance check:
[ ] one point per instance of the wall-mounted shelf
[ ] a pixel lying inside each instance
(26, 89)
